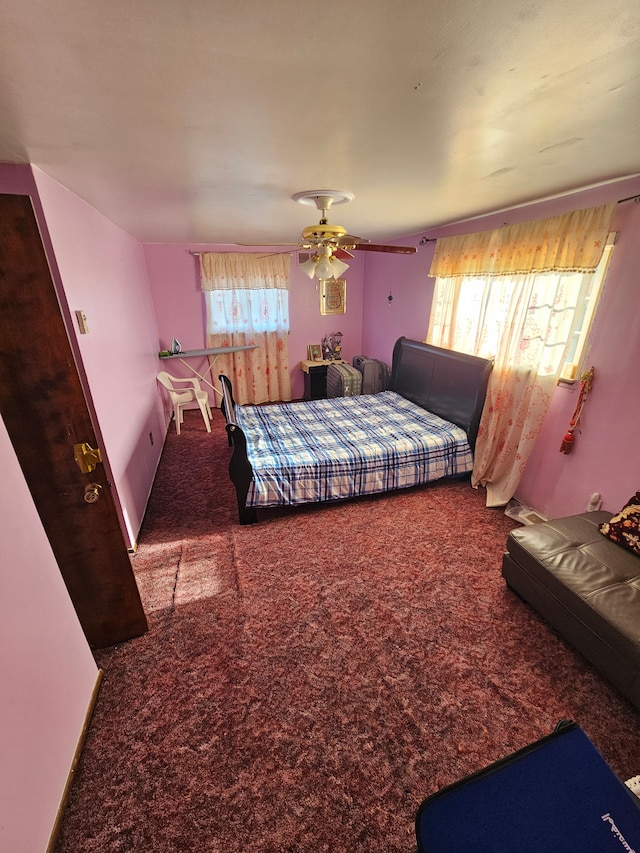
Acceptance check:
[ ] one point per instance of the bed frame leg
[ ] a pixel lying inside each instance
(247, 514)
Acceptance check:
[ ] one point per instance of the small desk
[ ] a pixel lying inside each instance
(315, 378)
(195, 353)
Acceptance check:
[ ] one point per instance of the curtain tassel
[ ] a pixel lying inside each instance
(568, 441)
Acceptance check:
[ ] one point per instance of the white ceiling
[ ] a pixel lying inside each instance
(197, 120)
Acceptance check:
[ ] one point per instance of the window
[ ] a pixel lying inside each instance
(587, 303)
(247, 304)
(542, 319)
(251, 312)
(513, 294)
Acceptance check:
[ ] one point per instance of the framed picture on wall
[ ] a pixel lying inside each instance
(333, 296)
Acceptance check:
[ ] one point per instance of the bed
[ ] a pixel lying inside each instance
(422, 429)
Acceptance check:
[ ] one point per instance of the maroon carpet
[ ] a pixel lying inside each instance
(307, 681)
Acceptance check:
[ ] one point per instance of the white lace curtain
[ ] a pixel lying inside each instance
(511, 294)
(247, 302)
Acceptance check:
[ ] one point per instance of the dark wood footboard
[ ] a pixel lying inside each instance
(240, 470)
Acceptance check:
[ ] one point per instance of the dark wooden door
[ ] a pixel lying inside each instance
(45, 411)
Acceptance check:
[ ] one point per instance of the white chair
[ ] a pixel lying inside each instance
(180, 397)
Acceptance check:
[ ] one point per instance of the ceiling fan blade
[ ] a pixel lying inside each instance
(397, 250)
(342, 254)
(351, 240)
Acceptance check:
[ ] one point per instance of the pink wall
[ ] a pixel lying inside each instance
(47, 670)
(606, 458)
(405, 278)
(102, 272)
(174, 278)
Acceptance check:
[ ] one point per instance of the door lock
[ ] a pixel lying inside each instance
(86, 457)
(92, 492)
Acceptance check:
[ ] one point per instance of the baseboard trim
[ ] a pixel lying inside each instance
(74, 764)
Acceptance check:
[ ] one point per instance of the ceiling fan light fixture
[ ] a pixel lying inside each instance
(324, 269)
(338, 267)
(309, 267)
(323, 266)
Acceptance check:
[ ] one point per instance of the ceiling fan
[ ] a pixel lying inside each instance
(329, 245)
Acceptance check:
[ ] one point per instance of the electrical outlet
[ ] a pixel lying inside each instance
(595, 502)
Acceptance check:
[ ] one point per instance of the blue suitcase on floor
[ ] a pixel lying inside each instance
(557, 795)
(343, 380)
(375, 374)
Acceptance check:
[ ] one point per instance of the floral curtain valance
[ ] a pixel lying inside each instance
(243, 271)
(573, 242)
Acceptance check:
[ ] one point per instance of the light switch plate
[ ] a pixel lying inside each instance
(83, 326)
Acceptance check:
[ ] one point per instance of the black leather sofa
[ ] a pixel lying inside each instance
(586, 587)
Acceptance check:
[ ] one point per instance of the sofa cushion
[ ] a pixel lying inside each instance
(624, 528)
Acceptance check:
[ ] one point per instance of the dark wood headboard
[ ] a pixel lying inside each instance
(450, 384)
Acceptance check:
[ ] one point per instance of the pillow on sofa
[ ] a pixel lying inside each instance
(624, 528)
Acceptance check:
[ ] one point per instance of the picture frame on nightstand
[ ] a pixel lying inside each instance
(333, 296)
(314, 352)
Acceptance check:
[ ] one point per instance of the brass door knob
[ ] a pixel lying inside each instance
(92, 492)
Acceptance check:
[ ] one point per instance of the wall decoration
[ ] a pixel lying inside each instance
(333, 296)
(586, 380)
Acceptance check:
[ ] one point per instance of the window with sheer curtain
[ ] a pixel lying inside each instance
(471, 314)
(516, 295)
(247, 303)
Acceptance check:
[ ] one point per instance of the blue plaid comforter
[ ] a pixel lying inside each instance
(341, 448)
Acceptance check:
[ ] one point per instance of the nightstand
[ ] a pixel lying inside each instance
(315, 378)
